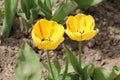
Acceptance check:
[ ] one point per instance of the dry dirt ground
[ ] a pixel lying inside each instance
(103, 50)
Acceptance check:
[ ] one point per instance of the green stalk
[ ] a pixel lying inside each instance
(48, 57)
(80, 53)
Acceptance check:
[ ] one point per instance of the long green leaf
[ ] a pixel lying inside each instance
(1, 16)
(45, 9)
(10, 10)
(83, 4)
(49, 4)
(73, 60)
(57, 65)
(27, 66)
(88, 71)
(28, 13)
(26, 5)
(63, 10)
(66, 69)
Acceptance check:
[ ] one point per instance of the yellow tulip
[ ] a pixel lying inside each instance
(47, 34)
(81, 27)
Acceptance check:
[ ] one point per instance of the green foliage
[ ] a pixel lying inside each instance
(83, 4)
(73, 60)
(56, 72)
(88, 71)
(57, 65)
(27, 66)
(66, 69)
(62, 11)
(1, 16)
(84, 71)
(45, 8)
(28, 12)
(115, 73)
(101, 74)
(10, 10)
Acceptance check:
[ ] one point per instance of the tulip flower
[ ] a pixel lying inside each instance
(47, 34)
(81, 27)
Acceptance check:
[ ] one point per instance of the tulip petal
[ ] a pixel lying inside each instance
(57, 31)
(36, 39)
(72, 24)
(90, 23)
(51, 45)
(36, 31)
(80, 22)
(46, 44)
(70, 34)
(57, 42)
(79, 16)
(92, 34)
(45, 27)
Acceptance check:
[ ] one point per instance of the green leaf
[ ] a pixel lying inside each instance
(27, 66)
(26, 6)
(28, 12)
(54, 69)
(45, 9)
(10, 10)
(73, 60)
(34, 14)
(95, 2)
(66, 69)
(117, 78)
(1, 16)
(57, 65)
(88, 71)
(70, 70)
(22, 15)
(73, 76)
(55, 72)
(87, 3)
(63, 10)
(27, 23)
(101, 74)
(46, 66)
(115, 72)
(70, 76)
(116, 68)
(49, 4)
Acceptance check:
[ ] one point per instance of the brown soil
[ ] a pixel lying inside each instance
(103, 50)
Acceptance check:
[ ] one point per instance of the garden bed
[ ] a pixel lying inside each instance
(103, 50)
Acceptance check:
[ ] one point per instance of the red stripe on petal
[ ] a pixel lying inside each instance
(40, 28)
(81, 36)
(68, 26)
(84, 22)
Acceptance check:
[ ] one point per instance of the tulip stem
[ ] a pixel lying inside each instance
(80, 53)
(48, 57)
